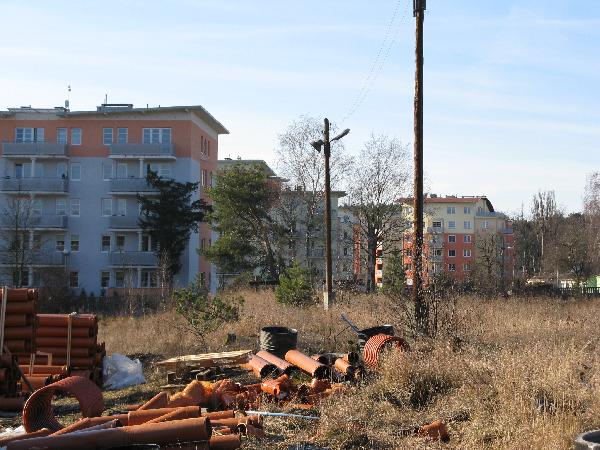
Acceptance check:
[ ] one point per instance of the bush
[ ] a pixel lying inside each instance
(203, 312)
(294, 287)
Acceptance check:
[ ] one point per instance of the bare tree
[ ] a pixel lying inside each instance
(303, 166)
(379, 180)
(487, 270)
(578, 253)
(544, 216)
(17, 251)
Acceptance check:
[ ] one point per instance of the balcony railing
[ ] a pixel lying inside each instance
(435, 229)
(131, 185)
(36, 222)
(142, 150)
(506, 230)
(34, 149)
(123, 222)
(50, 185)
(487, 214)
(34, 258)
(127, 258)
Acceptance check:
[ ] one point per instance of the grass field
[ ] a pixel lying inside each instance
(506, 373)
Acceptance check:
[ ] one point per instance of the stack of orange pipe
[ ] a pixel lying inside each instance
(52, 338)
(19, 342)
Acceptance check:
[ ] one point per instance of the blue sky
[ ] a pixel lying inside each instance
(511, 87)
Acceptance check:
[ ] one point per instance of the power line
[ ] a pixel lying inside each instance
(379, 60)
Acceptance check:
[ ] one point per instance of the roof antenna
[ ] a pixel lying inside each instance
(68, 100)
(106, 98)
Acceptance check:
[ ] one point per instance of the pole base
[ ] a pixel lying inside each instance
(328, 299)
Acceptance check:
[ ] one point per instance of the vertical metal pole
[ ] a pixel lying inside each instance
(421, 307)
(328, 294)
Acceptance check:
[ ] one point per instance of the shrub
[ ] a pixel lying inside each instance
(294, 287)
(203, 312)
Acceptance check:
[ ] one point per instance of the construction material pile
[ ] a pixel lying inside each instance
(17, 340)
(67, 344)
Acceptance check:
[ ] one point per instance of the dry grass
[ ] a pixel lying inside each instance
(523, 373)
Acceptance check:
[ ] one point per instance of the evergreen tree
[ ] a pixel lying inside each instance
(170, 218)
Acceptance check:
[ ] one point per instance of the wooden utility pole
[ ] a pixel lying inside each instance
(421, 307)
(325, 143)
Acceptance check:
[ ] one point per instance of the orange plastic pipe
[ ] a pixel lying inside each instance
(227, 442)
(80, 352)
(160, 400)
(43, 341)
(187, 430)
(11, 403)
(18, 332)
(307, 364)
(20, 307)
(281, 364)
(37, 369)
(62, 320)
(40, 433)
(186, 412)
(226, 414)
(143, 416)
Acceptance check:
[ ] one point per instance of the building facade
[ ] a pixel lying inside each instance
(80, 173)
(458, 231)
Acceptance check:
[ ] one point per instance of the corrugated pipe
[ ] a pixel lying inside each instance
(376, 345)
(38, 412)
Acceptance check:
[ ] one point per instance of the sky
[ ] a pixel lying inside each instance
(512, 88)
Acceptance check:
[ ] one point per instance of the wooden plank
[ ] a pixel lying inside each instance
(221, 359)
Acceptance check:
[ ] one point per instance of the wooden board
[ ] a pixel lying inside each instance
(222, 359)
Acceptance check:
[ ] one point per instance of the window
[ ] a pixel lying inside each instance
(451, 253)
(60, 242)
(29, 135)
(121, 170)
(145, 243)
(61, 170)
(23, 170)
(451, 224)
(61, 135)
(120, 242)
(452, 238)
(466, 267)
(75, 171)
(119, 279)
(107, 169)
(75, 203)
(121, 206)
(156, 136)
(104, 279)
(149, 278)
(37, 241)
(122, 135)
(485, 225)
(451, 210)
(75, 136)
(438, 252)
(451, 267)
(61, 207)
(106, 206)
(74, 243)
(467, 238)
(36, 207)
(203, 178)
(467, 252)
(467, 224)
(345, 251)
(163, 170)
(467, 210)
(202, 244)
(107, 136)
(437, 224)
(105, 243)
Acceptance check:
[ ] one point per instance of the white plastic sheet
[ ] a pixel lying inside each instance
(119, 372)
(10, 432)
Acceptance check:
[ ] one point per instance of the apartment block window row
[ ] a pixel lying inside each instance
(23, 134)
(156, 135)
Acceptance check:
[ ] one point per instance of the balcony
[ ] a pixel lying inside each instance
(34, 185)
(130, 185)
(123, 222)
(150, 151)
(127, 258)
(37, 222)
(487, 214)
(37, 149)
(435, 230)
(35, 258)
